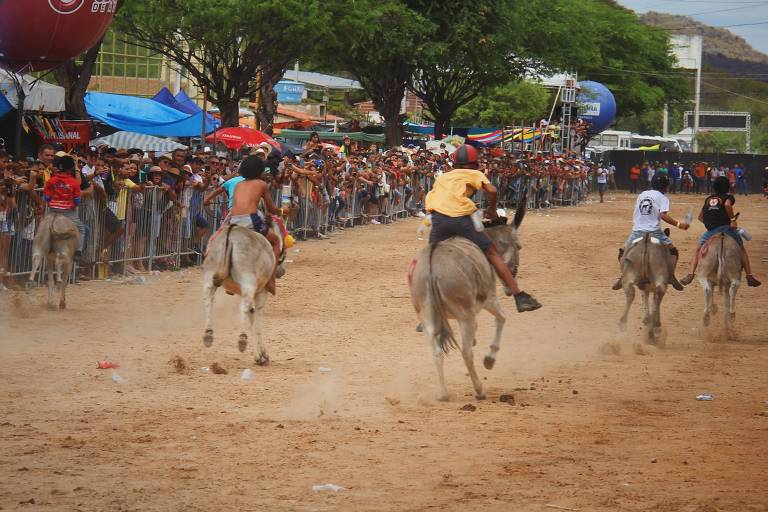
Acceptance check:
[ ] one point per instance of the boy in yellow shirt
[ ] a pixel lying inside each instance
(452, 208)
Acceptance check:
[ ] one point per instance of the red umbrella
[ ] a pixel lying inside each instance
(235, 138)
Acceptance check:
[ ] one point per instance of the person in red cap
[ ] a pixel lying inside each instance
(451, 207)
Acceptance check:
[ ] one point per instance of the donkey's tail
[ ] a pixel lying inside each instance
(226, 262)
(445, 338)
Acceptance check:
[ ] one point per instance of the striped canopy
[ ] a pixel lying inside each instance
(129, 140)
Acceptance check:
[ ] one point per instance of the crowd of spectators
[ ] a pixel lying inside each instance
(689, 178)
(137, 204)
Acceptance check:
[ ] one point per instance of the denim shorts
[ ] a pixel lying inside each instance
(658, 234)
(722, 229)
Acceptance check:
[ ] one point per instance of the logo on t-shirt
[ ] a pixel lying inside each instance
(646, 207)
(714, 202)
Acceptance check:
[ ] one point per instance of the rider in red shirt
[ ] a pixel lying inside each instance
(62, 191)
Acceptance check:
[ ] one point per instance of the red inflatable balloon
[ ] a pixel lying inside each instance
(42, 34)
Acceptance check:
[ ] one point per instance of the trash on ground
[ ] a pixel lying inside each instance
(106, 365)
(204, 369)
(469, 407)
(324, 369)
(328, 487)
(118, 378)
(705, 397)
(247, 374)
(510, 399)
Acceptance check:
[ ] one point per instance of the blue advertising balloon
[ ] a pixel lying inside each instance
(597, 106)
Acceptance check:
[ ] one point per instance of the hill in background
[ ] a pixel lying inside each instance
(723, 50)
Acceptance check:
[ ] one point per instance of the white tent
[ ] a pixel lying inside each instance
(129, 140)
(40, 96)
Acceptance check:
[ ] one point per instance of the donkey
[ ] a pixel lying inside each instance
(721, 266)
(242, 261)
(56, 240)
(646, 264)
(453, 279)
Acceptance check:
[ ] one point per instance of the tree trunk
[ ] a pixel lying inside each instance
(75, 79)
(267, 107)
(230, 112)
(442, 126)
(389, 108)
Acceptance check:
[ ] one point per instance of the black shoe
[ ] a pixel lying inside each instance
(751, 281)
(617, 285)
(525, 302)
(687, 280)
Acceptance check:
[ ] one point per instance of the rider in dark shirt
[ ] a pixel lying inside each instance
(718, 217)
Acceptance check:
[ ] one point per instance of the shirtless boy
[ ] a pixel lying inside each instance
(245, 207)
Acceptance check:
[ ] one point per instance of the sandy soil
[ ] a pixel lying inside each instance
(599, 420)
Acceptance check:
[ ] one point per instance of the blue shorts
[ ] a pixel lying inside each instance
(658, 234)
(722, 229)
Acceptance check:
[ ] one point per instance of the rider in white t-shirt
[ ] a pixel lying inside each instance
(651, 208)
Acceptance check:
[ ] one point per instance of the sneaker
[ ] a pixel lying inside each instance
(321, 236)
(525, 302)
(687, 280)
(374, 221)
(751, 281)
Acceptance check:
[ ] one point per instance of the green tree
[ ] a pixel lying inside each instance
(491, 42)
(378, 43)
(520, 100)
(473, 49)
(232, 48)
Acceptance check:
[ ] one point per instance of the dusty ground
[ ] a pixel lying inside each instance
(600, 422)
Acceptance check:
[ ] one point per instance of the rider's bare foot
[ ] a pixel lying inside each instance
(751, 281)
(617, 285)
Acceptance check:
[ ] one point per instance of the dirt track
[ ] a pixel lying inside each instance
(600, 422)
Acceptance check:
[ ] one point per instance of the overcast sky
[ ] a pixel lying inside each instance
(717, 13)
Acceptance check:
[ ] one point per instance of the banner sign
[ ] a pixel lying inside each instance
(289, 92)
(69, 133)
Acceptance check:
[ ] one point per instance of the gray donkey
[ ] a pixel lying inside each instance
(56, 240)
(721, 267)
(646, 264)
(453, 279)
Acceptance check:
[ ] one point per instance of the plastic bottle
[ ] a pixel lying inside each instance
(743, 232)
(477, 220)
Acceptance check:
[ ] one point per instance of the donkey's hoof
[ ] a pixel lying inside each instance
(62, 305)
(208, 338)
(646, 320)
(488, 362)
(242, 342)
(419, 328)
(480, 395)
(706, 321)
(262, 360)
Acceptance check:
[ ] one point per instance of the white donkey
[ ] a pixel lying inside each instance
(242, 261)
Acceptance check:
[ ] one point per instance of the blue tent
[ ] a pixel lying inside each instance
(143, 115)
(182, 103)
(186, 104)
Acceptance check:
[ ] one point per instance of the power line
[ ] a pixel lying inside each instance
(736, 93)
